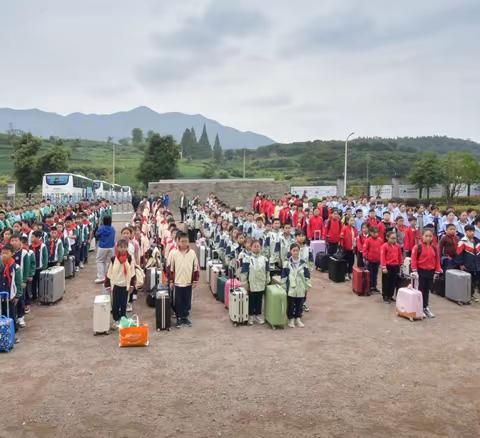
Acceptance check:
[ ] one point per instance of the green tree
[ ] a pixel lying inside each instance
(459, 168)
(185, 143)
(471, 170)
(203, 149)
(426, 173)
(149, 135)
(24, 157)
(229, 154)
(217, 151)
(124, 142)
(55, 160)
(137, 136)
(160, 159)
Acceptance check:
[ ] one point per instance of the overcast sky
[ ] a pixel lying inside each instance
(289, 69)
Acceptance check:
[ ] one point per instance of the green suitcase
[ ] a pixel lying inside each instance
(276, 306)
(221, 288)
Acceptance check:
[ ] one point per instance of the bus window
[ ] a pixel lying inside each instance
(57, 180)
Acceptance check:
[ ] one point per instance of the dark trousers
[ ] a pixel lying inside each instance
(27, 297)
(76, 250)
(255, 300)
(12, 311)
(349, 258)
(84, 252)
(332, 248)
(475, 281)
(294, 307)
(425, 284)
(183, 301)
(373, 269)
(360, 262)
(21, 305)
(119, 302)
(389, 281)
(183, 214)
(35, 284)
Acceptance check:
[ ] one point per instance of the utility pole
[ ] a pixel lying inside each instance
(113, 164)
(368, 175)
(345, 169)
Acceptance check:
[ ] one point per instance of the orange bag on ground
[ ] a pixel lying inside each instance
(135, 336)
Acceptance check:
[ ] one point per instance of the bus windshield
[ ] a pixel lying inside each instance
(57, 180)
(96, 185)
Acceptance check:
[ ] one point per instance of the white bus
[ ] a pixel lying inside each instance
(61, 187)
(127, 193)
(103, 190)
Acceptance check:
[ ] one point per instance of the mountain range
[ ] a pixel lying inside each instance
(120, 124)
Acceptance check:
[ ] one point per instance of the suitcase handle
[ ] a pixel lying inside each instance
(6, 296)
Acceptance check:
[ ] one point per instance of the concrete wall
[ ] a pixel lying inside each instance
(235, 192)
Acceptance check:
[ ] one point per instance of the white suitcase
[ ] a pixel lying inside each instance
(52, 285)
(101, 314)
(458, 286)
(150, 279)
(203, 256)
(210, 265)
(238, 306)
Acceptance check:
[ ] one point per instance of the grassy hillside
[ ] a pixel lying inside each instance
(302, 163)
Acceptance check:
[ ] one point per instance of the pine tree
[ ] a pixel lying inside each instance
(217, 150)
(186, 143)
(204, 149)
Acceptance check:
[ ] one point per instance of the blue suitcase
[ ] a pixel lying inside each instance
(7, 326)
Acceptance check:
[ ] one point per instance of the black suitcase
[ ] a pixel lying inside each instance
(337, 270)
(151, 296)
(191, 235)
(162, 310)
(322, 261)
(439, 286)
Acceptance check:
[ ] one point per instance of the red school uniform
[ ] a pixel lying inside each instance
(348, 236)
(429, 259)
(412, 238)
(372, 248)
(332, 231)
(315, 223)
(390, 255)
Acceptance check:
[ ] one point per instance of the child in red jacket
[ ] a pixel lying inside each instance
(331, 232)
(412, 236)
(426, 266)
(315, 226)
(348, 241)
(362, 237)
(371, 255)
(390, 261)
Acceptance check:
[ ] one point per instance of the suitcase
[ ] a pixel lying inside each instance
(93, 245)
(458, 286)
(7, 326)
(202, 249)
(337, 270)
(217, 271)
(101, 314)
(238, 306)
(210, 265)
(221, 282)
(439, 286)
(276, 306)
(69, 266)
(150, 279)
(52, 285)
(403, 281)
(230, 284)
(322, 261)
(162, 310)
(409, 303)
(191, 235)
(361, 281)
(317, 245)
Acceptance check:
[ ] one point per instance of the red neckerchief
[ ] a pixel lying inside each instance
(71, 227)
(36, 246)
(122, 258)
(52, 247)
(86, 222)
(6, 270)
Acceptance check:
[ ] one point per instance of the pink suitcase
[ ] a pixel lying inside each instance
(317, 245)
(216, 270)
(231, 283)
(409, 303)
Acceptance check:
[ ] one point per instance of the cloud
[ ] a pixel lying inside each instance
(272, 100)
(202, 42)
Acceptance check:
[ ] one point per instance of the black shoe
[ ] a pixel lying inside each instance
(386, 301)
(187, 322)
(179, 323)
(376, 290)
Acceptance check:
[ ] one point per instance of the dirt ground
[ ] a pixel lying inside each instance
(355, 370)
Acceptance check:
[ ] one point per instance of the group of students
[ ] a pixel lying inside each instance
(37, 236)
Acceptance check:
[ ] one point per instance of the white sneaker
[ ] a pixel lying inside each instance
(99, 281)
(291, 323)
(129, 307)
(299, 323)
(81, 265)
(21, 322)
(428, 312)
(134, 297)
(250, 320)
(77, 269)
(259, 319)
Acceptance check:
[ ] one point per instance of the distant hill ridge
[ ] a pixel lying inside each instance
(120, 124)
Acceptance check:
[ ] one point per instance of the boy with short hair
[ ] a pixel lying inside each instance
(41, 260)
(55, 248)
(390, 261)
(22, 259)
(184, 275)
(468, 256)
(10, 281)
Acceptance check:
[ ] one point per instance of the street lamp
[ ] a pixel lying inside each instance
(345, 170)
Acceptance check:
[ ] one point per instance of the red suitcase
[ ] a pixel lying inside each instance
(361, 281)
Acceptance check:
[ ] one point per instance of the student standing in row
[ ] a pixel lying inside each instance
(390, 261)
(425, 266)
(468, 256)
(371, 255)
